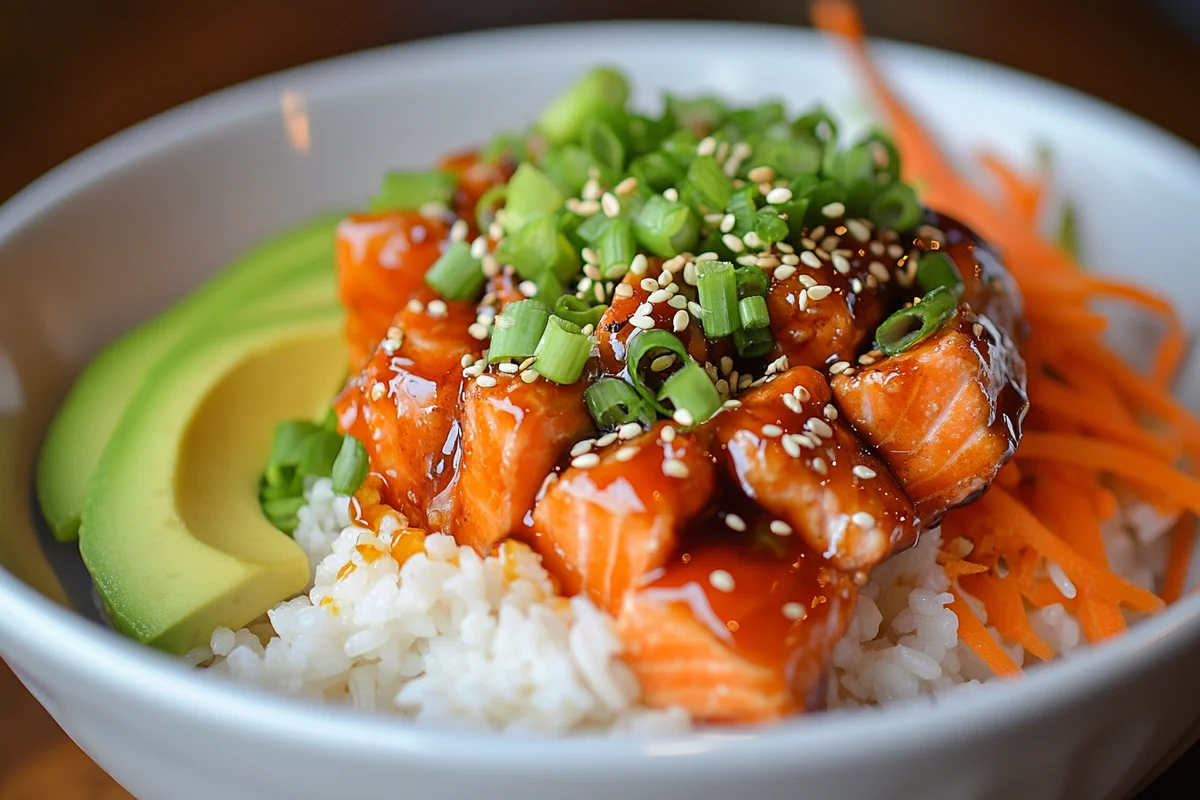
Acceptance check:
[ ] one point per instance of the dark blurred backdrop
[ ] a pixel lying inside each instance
(75, 71)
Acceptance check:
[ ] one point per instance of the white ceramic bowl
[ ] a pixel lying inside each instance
(118, 232)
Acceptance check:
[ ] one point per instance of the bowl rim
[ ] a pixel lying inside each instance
(34, 623)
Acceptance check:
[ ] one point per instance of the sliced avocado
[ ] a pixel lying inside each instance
(291, 271)
(172, 531)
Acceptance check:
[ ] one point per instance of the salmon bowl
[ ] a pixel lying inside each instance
(174, 192)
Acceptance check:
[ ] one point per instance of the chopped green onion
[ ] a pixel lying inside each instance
(851, 167)
(665, 228)
(751, 281)
(709, 183)
(646, 134)
(753, 343)
(286, 446)
(562, 351)
(488, 202)
(330, 422)
(681, 145)
(530, 194)
(756, 119)
(788, 157)
(885, 154)
(819, 196)
(456, 275)
(599, 90)
(590, 229)
(769, 227)
(517, 330)
(656, 171)
(605, 148)
(753, 312)
(507, 146)
(936, 269)
(549, 287)
(351, 466)
(539, 246)
(745, 213)
(283, 512)
(578, 311)
(616, 245)
(317, 456)
(699, 115)
(612, 403)
(408, 191)
(289, 487)
(691, 390)
(795, 211)
(895, 208)
(645, 345)
(717, 288)
(1068, 231)
(817, 124)
(568, 167)
(910, 326)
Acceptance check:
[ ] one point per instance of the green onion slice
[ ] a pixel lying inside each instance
(690, 389)
(1068, 231)
(666, 228)
(562, 351)
(754, 343)
(709, 183)
(489, 201)
(517, 330)
(456, 275)
(616, 245)
(530, 194)
(753, 312)
(717, 289)
(910, 326)
(408, 191)
(745, 213)
(286, 447)
(318, 454)
(769, 227)
(936, 269)
(283, 512)
(351, 466)
(604, 146)
(656, 171)
(642, 348)
(751, 281)
(599, 90)
(895, 208)
(578, 311)
(612, 403)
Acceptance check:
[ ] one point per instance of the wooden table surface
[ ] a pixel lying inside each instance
(73, 72)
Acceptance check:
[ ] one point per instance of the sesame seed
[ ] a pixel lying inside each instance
(458, 231)
(610, 205)
(643, 310)
(731, 241)
(664, 277)
(662, 362)
(817, 232)
(689, 274)
(509, 368)
(790, 445)
(747, 260)
(707, 146)
(436, 308)
(735, 522)
(819, 292)
(794, 611)
(649, 284)
(752, 239)
(615, 271)
(772, 431)
(626, 453)
(527, 363)
(732, 404)
(678, 301)
(727, 223)
(416, 306)
(820, 427)
(486, 381)
(674, 468)
(641, 322)
(528, 376)
(671, 194)
(744, 381)
(680, 321)
(629, 430)
(864, 472)
(659, 296)
(809, 259)
(838, 367)
(866, 360)
(683, 417)
(856, 286)
(1059, 577)
(862, 519)
(858, 230)
(833, 210)
(818, 466)
(801, 394)
(624, 290)
(433, 210)
(479, 247)
(792, 403)
(767, 262)
(841, 264)
(592, 271)
(829, 412)
(378, 390)
(627, 186)
(977, 329)
(467, 360)
(879, 271)
(585, 461)
(667, 434)
(606, 440)
(527, 288)
(780, 195)
(589, 255)
(807, 280)
(830, 242)
(696, 309)
(761, 174)
(894, 251)
(721, 580)
(639, 264)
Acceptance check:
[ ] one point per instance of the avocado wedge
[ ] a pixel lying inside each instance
(292, 271)
(172, 531)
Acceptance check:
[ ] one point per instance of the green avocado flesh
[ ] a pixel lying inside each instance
(172, 532)
(292, 272)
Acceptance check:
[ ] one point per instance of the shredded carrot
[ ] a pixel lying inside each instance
(1179, 557)
(1092, 415)
(973, 632)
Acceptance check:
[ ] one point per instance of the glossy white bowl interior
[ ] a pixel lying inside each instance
(120, 231)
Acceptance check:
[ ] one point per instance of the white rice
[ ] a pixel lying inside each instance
(456, 639)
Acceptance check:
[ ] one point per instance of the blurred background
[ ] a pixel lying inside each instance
(75, 71)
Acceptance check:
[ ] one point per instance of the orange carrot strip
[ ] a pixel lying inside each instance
(959, 568)
(1006, 610)
(1057, 400)
(973, 633)
(1015, 519)
(1099, 617)
(1041, 592)
(1023, 195)
(1179, 558)
(1115, 459)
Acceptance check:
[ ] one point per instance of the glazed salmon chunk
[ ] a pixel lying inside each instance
(788, 450)
(944, 416)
